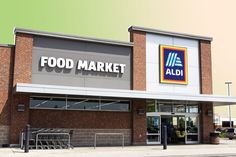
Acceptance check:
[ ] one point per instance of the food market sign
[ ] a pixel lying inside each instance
(66, 63)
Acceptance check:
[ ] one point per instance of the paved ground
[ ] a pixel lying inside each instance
(226, 148)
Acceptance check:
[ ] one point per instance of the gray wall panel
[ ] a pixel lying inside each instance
(109, 83)
(76, 50)
(55, 80)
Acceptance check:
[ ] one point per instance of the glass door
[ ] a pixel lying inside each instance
(192, 129)
(179, 129)
(175, 128)
(153, 130)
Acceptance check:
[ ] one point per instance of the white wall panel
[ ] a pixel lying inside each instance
(152, 72)
(152, 64)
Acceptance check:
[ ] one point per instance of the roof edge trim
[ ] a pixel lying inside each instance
(168, 33)
(72, 37)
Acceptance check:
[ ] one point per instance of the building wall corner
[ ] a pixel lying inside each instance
(139, 126)
(206, 114)
(138, 60)
(22, 74)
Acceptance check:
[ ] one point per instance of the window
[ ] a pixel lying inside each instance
(179, 108)
(153, 124)
(79, 104)
(192, 108)
(115, 105)
(82, 104)
(56, 103)
(165, 107)
(151, 107)
(192, 124)
(171, 106)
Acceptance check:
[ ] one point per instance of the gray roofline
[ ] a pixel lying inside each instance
(6, 45)
(156, 31)
(72, 37)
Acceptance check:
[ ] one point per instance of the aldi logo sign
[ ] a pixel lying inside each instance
(173, 65)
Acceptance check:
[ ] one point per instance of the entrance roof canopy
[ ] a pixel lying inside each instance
(117, 93)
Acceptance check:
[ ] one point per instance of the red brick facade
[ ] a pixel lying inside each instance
(6, 65)
(6, 70)
(205, 67)
(22, 74)
(18, 119)
(139, 60)
(206, 121)
(206, 88)
(139, 83)
(80, 119)
(23, 58)
(139, 127)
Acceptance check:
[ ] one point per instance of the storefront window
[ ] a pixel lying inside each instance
(56, 103)
(165, 107)
(179, 108)
(114, 105)
(153, 124)
(151, 107)
(171, 106)
(79, 104)
(192, 124)
(83, 104)
(192, 108)
(192, 128)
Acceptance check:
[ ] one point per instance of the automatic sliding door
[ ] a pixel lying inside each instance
(192, 129)
(178, 131)
(153, 130)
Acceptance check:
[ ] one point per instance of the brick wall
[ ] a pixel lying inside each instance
(206, 120)
(85, 137)
(139, 83)
(205, 67)
(18, 119)
(23, 58)
(85, 124)
(139, 60)
(22, 74)
(79, 119)
(6, 69)
(139, 123)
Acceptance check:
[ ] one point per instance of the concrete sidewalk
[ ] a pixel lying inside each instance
(226, 148)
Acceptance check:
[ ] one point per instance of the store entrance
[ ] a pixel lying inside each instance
(181, 119)
(175, 129)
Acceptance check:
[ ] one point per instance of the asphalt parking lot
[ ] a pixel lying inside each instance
(225, 148)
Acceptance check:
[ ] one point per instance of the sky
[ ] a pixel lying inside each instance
(110, 19)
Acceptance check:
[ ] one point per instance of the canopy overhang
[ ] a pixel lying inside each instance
(117, 93)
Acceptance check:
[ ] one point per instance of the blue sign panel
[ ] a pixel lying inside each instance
(173, 65)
